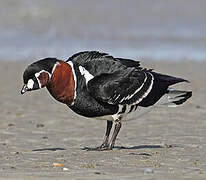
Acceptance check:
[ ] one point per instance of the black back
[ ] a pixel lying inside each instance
(114, 76)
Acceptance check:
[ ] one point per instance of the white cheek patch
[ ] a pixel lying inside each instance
(30, 84)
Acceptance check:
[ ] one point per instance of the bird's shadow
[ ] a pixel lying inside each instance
(136, 147)
(140, 147)
(116, 147)
(50, 149)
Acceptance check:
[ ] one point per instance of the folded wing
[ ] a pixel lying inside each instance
(121, 87)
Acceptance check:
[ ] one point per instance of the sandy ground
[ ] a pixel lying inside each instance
(36, 131)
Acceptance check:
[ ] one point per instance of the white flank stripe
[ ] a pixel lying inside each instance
(75, 79)
(117, 115)
(130, 96)
(111, 100)
(128, 107)
(120, 108)
(86, 74)
(147, 92)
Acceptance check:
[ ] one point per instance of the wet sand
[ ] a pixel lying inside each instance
(36, 131)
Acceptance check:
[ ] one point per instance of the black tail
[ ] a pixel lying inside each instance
(168, 80)
(161, 87)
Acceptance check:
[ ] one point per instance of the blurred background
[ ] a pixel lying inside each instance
(143, 29)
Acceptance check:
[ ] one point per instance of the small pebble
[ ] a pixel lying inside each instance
(65, 169)
(58, 165)
(148, 171)
(167, 145)
(39, 125)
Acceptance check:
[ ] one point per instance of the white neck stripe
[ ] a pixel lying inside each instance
(55, 65)
(70, 63)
